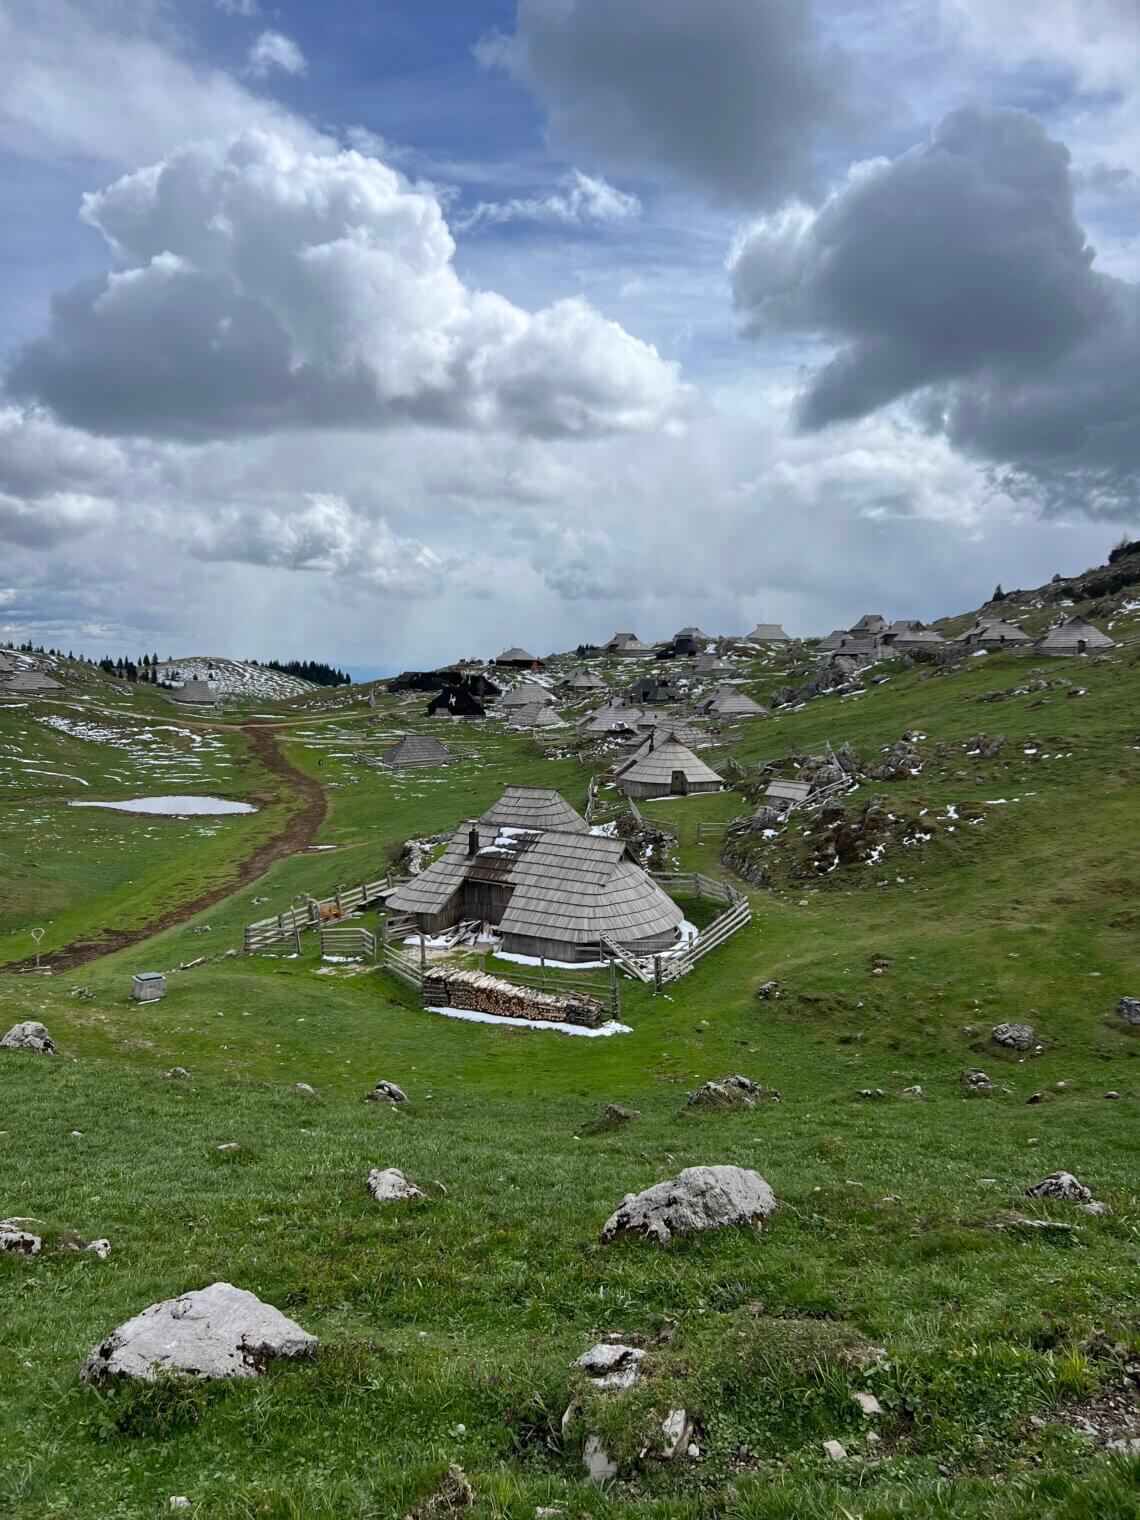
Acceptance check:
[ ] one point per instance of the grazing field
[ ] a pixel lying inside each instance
(447, 1325)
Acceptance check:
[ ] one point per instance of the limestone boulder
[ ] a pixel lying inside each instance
(1129, 1009)
(699, 1198)
(16, 1241)
(216, 1332)
(1062, 1186)
(389, 1185)
(611, 1366)
(1014, 1036)
(386, 1092)
(29, 1035)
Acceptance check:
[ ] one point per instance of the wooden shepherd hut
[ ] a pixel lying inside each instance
(193, 694)
(527, 694)
(1073, 636)
(561, 895)
(519, 659)
(995, 634)
(730, 702)
(664, 767)
(534, 807)
(456, 702)
(30, 683)
(585, 681)
(768, 633)
(418, 750)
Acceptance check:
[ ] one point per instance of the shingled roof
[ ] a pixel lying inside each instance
(1067, 637)
(566, 887)
(729, 702)
(527, 694)
(585, 680)
(657, 761)
(768, 633)
(31, 681)
(418, 749)
(610, 720)
(534, 807)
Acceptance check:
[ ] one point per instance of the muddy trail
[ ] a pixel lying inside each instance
(296, 835)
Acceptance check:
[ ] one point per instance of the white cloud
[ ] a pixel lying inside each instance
(246, 8)
(583, 199)
(273, 50)
(261, 287)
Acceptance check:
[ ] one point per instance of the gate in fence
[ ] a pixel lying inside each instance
(348, 942)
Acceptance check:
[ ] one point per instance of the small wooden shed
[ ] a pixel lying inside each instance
(664, 767)
(1075, 636)
(418, 750)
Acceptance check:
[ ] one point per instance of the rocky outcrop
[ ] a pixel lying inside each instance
(390, 1185)
(730, 1092)
(1062, 1186)
(386, 1092)
(1014, 1036)
(611, 1366)
(699, 1198)
(30, 1035)
(217, 1332)
(1129, 1009)
(16, 1241)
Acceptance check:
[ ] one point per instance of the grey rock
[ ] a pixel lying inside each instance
(15, 1241)
(1129, 1009)
(611, 1366)
(976, 1081)
(219, 1331)
(390, 1185)
(769, 990)
(835, 1450)
(1062, 1186)
(176, 1074)
(913, 1092)
(868, 1403)
(1094, 1207)
(729, 1092)
(699, 1198)
(613, 1116)
(29, 1035)
(1014, 1036)
(600, 1466)
(386, 1092)
(304, 1090)
(676, 1428)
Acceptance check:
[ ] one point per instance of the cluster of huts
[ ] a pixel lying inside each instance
(20, 678)
(873, 638)
(530, 869)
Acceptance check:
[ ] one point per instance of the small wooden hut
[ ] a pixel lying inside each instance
(418, 750)
(665, 767)
(1075, 636)
(519, 659)
(730, 702)
(527, 694)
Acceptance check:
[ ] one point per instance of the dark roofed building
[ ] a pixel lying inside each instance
(653, 691)
(456, 702)
(519, 659)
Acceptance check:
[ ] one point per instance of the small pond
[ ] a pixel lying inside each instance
(173, 807)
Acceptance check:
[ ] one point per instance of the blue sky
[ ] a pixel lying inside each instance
(386, 333)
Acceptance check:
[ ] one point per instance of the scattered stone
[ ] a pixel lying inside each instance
(600, 1466)
(100, 1248)
(769, 990)
(1037, 1097)
(698, 1198)
(1010, 1221)
(611, 1366)
(176, 1074)
(178, 1501)
(1062, 1186)
(676, 1428)
(455, 1494)
(219, 1331)
(613, 1116)
(390, 1185)
(729, 1092)
(913, 1092)
(835, 1450)
(868, 1403)
(891, 1198)
(1095, 1207)
(29, 1035)
(17, 1242)
(976, 1081)
(386, 1092)
(1014, 1036)
(303, 1090)
(871, 1092)
(229, 1145)
(1112, 1096)
(1129, 1009)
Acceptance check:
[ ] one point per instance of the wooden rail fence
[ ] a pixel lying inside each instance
(738, 913)
(313, 914)
(352, 941)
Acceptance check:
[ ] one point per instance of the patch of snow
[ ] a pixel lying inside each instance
(172, 807)
(472, 1016)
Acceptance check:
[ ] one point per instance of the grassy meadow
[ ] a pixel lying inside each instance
(447, 1326)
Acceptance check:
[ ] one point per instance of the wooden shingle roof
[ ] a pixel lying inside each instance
(418, 749)
(534, 807)
(732, 703)
(768, 633)
(527, 694)
(655, 763)
(1071, 632)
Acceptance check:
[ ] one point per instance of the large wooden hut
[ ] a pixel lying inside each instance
(730, 702)
(628, 646)
(608, 720)
(519, 659)
(559, 894)
(993, 634)
(768, 633)
(534, 807)
(664, 767)
(418, 750)
(456, 702)
(584, 681)
(1074, 636)
(193, 694)
(29, 683)
(527, 694)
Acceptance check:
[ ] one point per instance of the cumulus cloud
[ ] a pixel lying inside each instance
(958, 273)
(108, 82)
(273, 50)
(246, 8)
(730, 97)
(582, 199)
(260, 287)
(55, 483)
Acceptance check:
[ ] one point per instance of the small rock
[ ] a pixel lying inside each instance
(692, 1450)
(176, 1074)
(303, 1090)
(891, 1198)
(216, 1332)
(769, 990)
(868, 1403)
(100, 1248)
(1095, 1207)
(1037, 1097)
(386, 1092)
(1112, 1096)
(229, 1145)
(611, 1366)
(976, 1081)
(1129, 1009)
(390, 1185)
(699, 1198)
(1014, 1036)
(29, 1035)
(17, 1242)
(913, 1092)
(600, 1466)
(1062, 1186)
(835, 1450)
(871, 1092)
(613, 1116)
(676, 1429)
(178, 1501)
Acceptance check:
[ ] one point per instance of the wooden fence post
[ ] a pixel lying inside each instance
(542, 972)
(613, 988)
(657, 984)
(423, 952)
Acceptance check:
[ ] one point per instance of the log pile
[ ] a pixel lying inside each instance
(453, 987)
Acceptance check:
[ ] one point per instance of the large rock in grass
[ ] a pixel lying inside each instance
(699, 1198)
(16, 1241)
(611, 1365)
(1129, 1009)
(29, 1035)
(1014, 1036)
(386, 1092)
(390, 1185)
(729, 1092)
(1062, 1186)
(217, 1332)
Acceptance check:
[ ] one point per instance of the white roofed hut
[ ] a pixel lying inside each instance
(550, 893)
(1075, 636)
(664, 767)
(527, 694)
(418, 750)
(767, 633)
(730, 702)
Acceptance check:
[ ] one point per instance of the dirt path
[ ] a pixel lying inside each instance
(297, 834)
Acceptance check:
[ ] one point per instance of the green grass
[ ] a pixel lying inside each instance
(465, 1309)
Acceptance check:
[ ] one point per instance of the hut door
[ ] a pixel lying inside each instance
(1082, 645)
(680, 784)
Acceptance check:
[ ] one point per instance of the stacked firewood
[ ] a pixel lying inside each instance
(453, 987)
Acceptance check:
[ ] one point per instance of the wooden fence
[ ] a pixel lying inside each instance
(349, 941)
(738, 913)
(312, 914)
